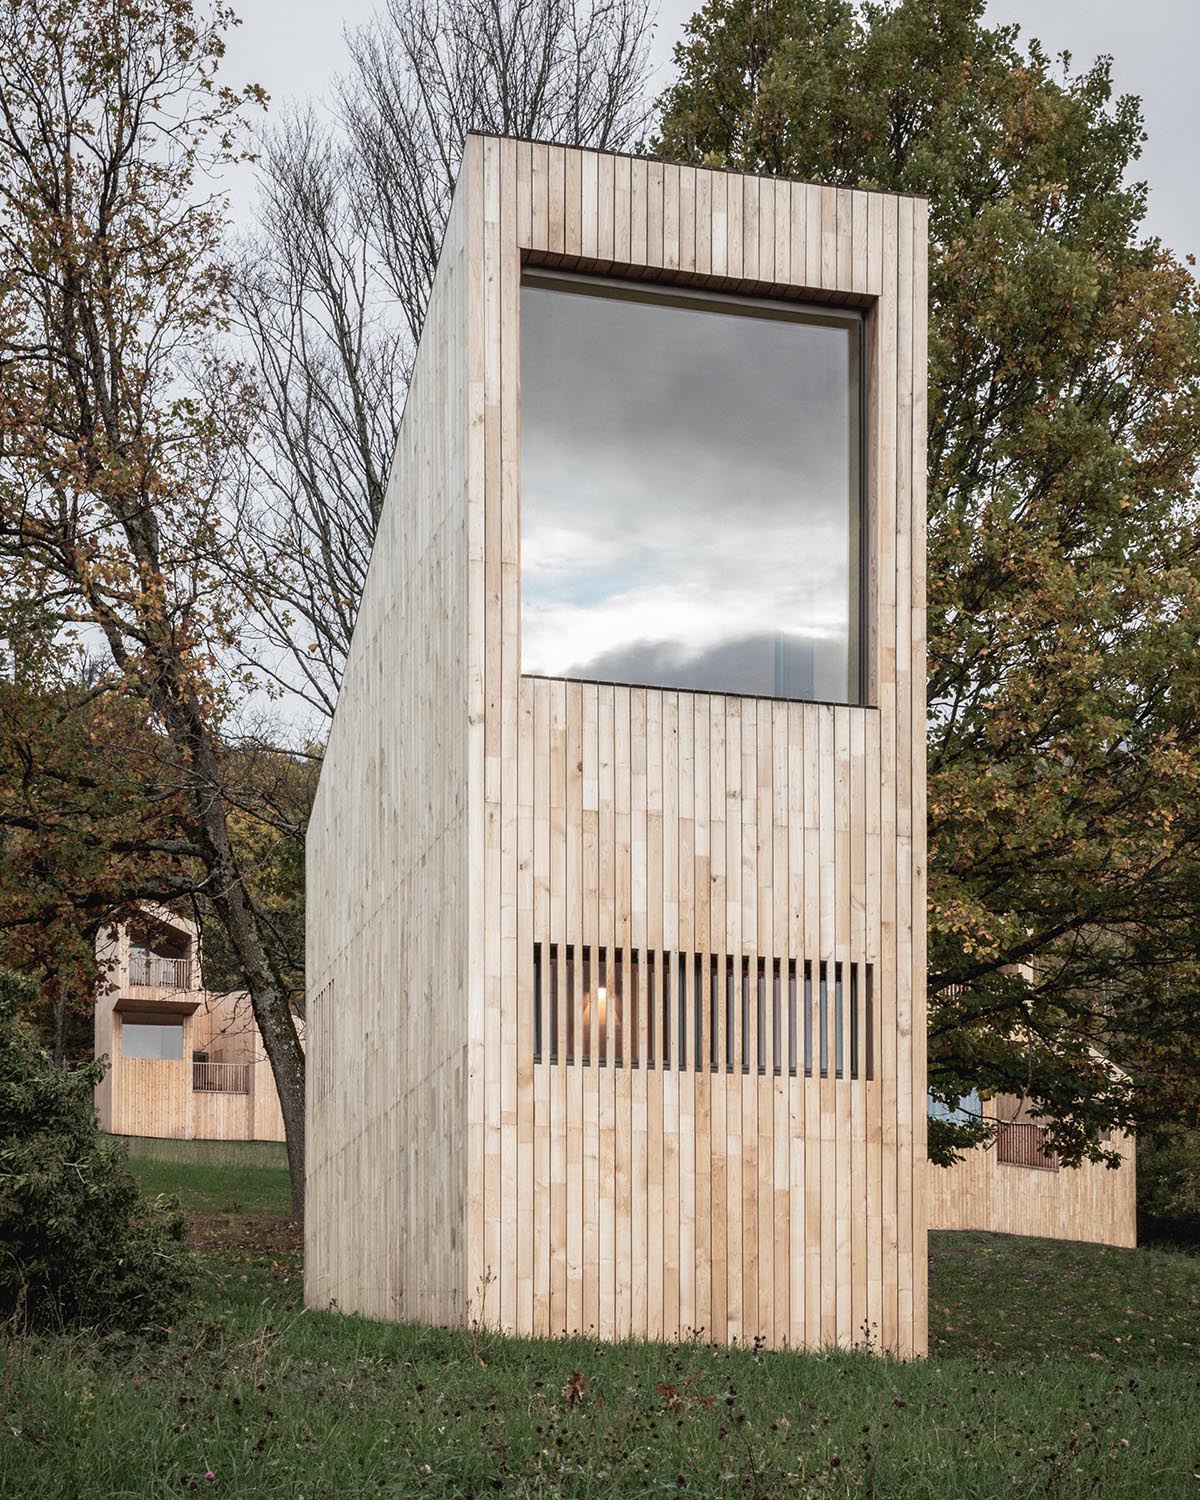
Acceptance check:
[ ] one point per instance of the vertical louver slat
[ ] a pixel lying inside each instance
(810, 1018)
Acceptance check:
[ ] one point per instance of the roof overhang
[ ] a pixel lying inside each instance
(152, 1010)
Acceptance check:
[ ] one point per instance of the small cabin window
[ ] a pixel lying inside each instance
(691, 489)
(967, 1109)
(146, 1039)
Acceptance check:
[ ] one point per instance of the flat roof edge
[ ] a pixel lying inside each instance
(533, 140)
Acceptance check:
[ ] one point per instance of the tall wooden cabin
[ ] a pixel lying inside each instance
(616, 872)
(184, 1062)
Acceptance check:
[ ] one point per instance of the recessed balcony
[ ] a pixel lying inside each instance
(220, 1077)
(155, 971)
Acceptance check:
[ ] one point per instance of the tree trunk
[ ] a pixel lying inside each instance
(268, 995)
(60, 1024)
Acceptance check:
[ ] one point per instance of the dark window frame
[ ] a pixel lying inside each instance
(673, 294)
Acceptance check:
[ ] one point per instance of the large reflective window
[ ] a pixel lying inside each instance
(149, 1039)
(690, 490)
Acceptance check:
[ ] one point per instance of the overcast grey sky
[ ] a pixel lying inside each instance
(294, 47)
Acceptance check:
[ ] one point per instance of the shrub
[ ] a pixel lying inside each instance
(79, 1245)
(1168, 1187)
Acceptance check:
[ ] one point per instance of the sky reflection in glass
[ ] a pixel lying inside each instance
(689, 492)
(162, 1042)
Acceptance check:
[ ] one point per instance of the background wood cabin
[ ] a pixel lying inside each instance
(229, 1095)
(468, 816)
(1014, 1187)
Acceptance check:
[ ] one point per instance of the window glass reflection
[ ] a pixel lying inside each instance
(689, 491)
(147, 1039)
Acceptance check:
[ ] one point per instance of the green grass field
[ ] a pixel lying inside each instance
(1056, 1371)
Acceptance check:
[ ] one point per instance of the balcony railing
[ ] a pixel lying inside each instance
(162, 973)
(1022, 1144)
(221, 1078)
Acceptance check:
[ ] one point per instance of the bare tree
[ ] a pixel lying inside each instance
(336, 283)
(550, 69)
(333, 368)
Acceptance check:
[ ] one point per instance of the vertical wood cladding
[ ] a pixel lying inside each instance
(1088, 1202)
(387, 939)
(469, 818)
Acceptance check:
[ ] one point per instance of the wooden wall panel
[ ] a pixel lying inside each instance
(151, 1097)
(393, 987)
(223, 1117)
(1088, 1202)
(658, 823)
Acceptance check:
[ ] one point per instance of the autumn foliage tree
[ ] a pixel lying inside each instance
(93, 819)
(87, 829)
(1064, 579)
(122, 428)
(94, 823)
(271, 792)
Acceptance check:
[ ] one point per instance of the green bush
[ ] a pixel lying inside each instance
(1168, 1187)
(79, 1245)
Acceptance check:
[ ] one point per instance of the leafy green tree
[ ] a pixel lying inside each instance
(90, 818)
(1064, 586)
(1168, 1186)
(81, 1247)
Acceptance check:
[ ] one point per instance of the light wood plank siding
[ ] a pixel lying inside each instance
(469, 819)
(1088, 1202)
(393, 980)
(111, 950)
(152, 1097)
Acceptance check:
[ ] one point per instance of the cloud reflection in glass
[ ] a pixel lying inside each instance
(689, 490)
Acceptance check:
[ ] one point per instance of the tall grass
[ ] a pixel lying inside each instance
(1058, 1371)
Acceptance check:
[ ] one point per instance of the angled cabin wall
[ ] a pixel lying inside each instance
(1092, 1203)
(386, 879)
(469, 818)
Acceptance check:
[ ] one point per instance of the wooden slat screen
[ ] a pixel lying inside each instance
(221, 1078)
(610, 1009)
(1021, 1144)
